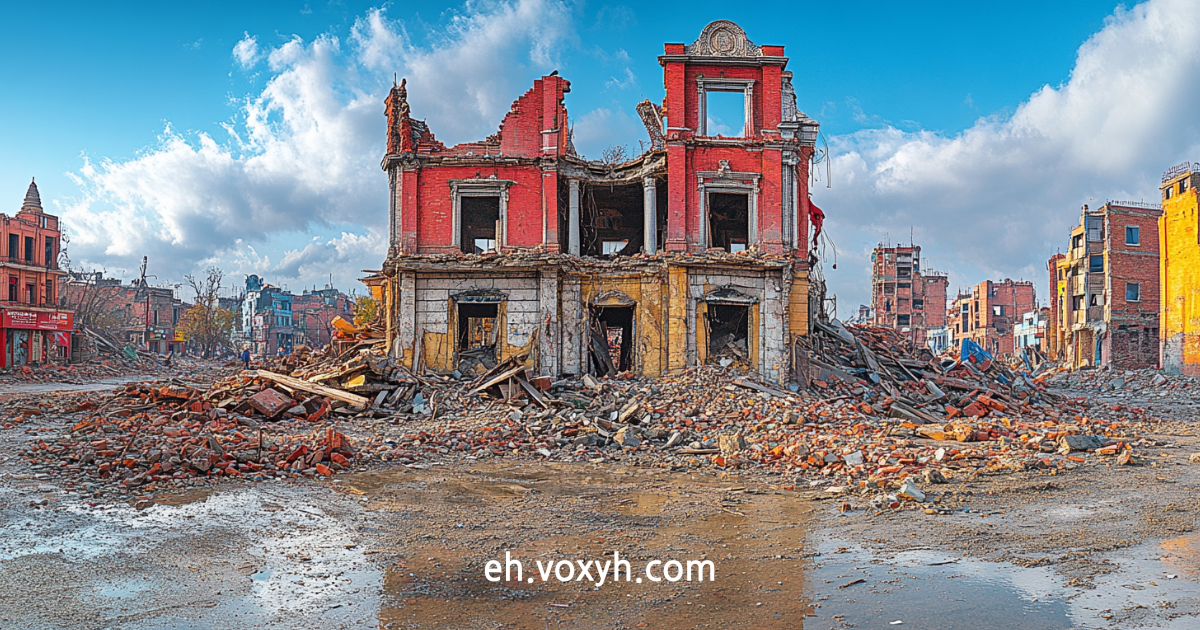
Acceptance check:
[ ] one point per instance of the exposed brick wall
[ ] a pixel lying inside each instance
(1132, 325)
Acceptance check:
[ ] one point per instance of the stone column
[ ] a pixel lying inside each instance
(573, 219)
(651, 216)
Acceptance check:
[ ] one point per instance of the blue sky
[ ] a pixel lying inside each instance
(248, 135)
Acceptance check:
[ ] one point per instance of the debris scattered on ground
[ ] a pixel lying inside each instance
(867, 414)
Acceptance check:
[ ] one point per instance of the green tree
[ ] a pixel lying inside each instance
(365, 310)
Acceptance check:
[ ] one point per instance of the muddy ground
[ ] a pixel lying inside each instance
(407, 547)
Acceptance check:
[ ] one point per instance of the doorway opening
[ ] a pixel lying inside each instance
(480, 224)
(617, 322)
(729, 334)
(729, 221)
(477, 333)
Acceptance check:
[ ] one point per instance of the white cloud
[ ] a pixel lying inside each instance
(246, 51)
(603, 127)
(466, 78)
(302, 155)
(630, 81)
(997, 199)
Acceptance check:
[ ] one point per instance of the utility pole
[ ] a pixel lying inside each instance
(146, 289)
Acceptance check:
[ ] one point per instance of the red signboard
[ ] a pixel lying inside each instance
(37, 320)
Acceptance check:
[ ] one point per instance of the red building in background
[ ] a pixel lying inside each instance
(988, 314)
(902, 297)
(32, 328)
(313, 312)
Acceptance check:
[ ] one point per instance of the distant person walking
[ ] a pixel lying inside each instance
(246, 358)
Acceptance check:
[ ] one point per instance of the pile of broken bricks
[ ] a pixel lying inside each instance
(869, 413)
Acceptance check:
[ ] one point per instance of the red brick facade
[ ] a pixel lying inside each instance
(989, 312)
(32, 327)
(904, 298)
(494, 230)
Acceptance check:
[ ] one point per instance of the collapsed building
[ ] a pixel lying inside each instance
(989, 312)
(696, 251)
(905, 298)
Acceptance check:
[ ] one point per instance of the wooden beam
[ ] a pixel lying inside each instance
(313, 388)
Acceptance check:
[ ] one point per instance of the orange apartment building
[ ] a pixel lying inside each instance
(32, 328)
(989, 312)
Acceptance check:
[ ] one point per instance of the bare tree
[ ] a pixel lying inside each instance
(614, 154)
(96, 303)
(206, 323)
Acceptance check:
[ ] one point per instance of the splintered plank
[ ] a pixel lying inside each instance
(313, 388)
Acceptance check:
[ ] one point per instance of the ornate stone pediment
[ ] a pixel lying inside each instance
(723, 39)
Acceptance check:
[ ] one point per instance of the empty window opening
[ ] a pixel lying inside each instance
(612, 248)
(725, 114)
(902, 320)
(612, 220)
(28, 249)
(729, 221)
(614, 339)
(918, 305)
(477, 332)
(728, 334)
(480, 223)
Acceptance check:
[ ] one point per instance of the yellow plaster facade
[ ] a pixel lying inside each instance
(1179, 272)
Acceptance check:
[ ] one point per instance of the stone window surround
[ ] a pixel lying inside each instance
(729, 182)
(460, 188)
(704, 85)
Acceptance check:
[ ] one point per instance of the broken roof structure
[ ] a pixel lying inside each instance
(695, 251)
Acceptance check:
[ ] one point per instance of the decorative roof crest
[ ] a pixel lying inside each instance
(723, 39)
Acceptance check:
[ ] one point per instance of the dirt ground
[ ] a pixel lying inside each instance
(408, 547)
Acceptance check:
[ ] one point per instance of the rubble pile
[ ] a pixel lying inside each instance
(866, 411)
(1131, 384)
(154, 435)
(70, 373)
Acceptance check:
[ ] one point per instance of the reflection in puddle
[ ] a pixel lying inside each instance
(934, 591)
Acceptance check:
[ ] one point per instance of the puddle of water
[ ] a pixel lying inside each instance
(934, 592)
(1157, 585)
(1153, 585)
(259, 556)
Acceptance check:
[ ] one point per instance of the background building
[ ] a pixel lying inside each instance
(1057, 268)
(902, 297)
(33, 329)
(267, 317)
(1112, 298)
(988, 313)
(1179, 240)
(314, 310)
(1030, 332)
